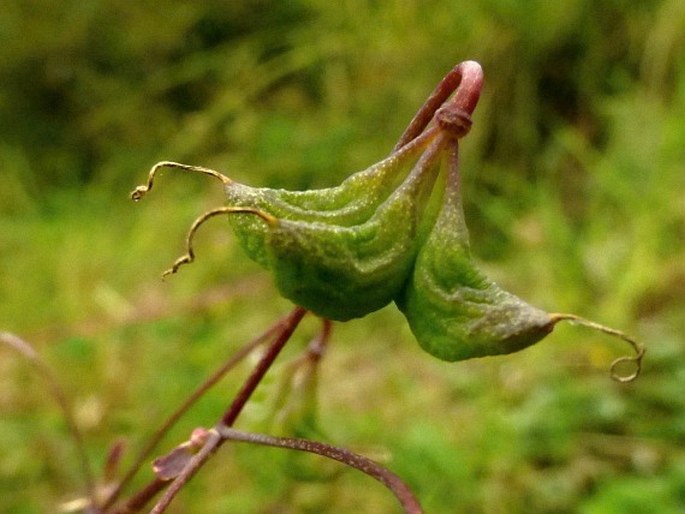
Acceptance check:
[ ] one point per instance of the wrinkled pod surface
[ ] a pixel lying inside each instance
(456, 313)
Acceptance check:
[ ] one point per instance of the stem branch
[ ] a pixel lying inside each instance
(401, 491)
(214, 440)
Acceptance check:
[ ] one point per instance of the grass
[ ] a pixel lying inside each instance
(574, 191)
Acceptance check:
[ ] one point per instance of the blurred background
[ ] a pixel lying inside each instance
(574, 184)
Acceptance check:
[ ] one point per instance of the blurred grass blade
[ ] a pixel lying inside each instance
(26, 350)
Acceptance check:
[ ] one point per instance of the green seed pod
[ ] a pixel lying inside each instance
(346, 251)
(343, 272)
(457, 313)
(454, 311)
(351, 203)
(340, 252)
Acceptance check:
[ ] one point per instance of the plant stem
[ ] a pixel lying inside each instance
(401, 491)
(464, 80)
(262, 367)
(214, 440)
(189, 402)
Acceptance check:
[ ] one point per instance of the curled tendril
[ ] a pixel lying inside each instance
(140, 191)
(637, 359)
(189, 256)
(637, 347)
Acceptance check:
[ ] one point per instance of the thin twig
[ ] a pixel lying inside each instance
(232, 413)
(298, 376)
(212, 443)
(393, 482)
(189, 402)
(262, 367)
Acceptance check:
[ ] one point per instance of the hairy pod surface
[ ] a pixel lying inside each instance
(347, 271)
(352, 203)
(453, 310)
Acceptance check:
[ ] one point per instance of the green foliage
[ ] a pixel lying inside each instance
(573, 186)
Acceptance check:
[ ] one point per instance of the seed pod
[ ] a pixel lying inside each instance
(346, 251)
(351, 203)
(342, 272)
(340, 252)
(455, 312)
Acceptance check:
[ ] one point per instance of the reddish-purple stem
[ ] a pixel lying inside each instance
(214, 441)
(464, 80)
(140, 499)
(189, 402)
(262, 367)
(401, 491)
